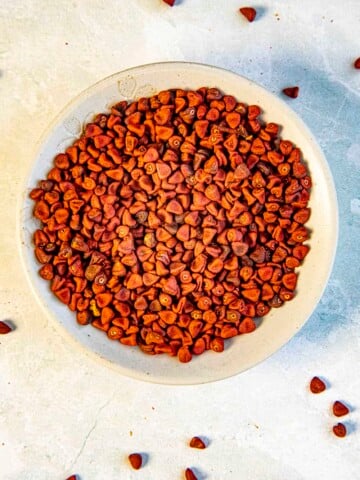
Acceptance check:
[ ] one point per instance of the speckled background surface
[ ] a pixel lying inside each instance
(63, 413)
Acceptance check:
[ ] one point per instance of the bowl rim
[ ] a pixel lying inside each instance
(24, 187)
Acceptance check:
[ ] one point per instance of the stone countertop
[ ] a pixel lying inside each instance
(61, 412)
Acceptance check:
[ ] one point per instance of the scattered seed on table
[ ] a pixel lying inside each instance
(339, 409)
(317, 385)
(190, 475)
(357, 63)
(197, 442)
(339, 430)
(170, 2)
(4, 328)
(291, 92)
(248, 12)
(72, 477)
(135, 460)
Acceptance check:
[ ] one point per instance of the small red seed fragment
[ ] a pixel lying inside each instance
(339, 409)
(249, 13)
(339, 430)
(184, 355)
(357, 63)
(197, 442)
(72, 477)
(170, 2)
(4, 328)
(135, 460)
(217, 345)
(190, 475)
(247, 325)
(291, 92)
(317, 385)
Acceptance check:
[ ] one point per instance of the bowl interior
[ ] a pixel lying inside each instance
(277, 327)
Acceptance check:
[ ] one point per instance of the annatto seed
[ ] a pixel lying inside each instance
(339, 409)
(339, 430)
(135, 460)
(357, 63)
(4, 328)
(174, 221)
(190, 475)
(291, 92)
(317, 385)
(197, 442)
(249, 13)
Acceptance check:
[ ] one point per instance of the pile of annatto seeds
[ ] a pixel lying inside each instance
(174, 221)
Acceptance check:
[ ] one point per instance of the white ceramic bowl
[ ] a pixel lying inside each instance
(276, 328)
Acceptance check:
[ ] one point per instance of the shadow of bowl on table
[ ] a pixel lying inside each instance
(331, 111)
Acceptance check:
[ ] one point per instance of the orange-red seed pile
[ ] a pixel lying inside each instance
(174, 221)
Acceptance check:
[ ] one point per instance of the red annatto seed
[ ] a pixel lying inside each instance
(339, 430)
(4, 328)
(249, 13)
(291, 92)
(339, 409)
(317, 385)
(357, 63)
(190, 475)
(135, 460)
(197, 442)
(170, 2)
